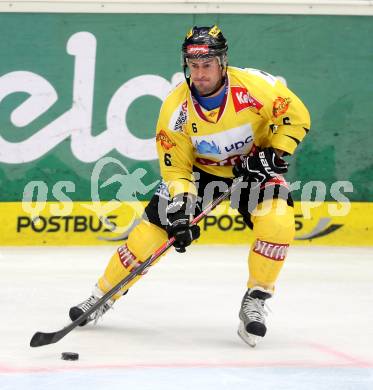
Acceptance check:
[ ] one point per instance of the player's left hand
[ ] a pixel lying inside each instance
(179, 213)
(261, 166)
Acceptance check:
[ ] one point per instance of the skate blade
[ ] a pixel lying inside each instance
(248, 338)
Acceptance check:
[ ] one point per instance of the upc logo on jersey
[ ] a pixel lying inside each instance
(242, 100)
(205, 147)
(224, 145)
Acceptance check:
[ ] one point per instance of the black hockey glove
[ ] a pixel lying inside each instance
(179, 213)
(261, 166)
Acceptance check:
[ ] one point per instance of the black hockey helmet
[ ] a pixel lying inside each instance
(205, 42)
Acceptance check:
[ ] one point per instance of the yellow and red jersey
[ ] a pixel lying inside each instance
(257, 109)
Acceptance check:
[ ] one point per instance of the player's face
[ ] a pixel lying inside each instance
(206, 74)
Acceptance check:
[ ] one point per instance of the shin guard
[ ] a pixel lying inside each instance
(274, 231)
(141, 243)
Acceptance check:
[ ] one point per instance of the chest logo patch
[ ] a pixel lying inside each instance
(224, 144)
(242, 100)
(205, 147)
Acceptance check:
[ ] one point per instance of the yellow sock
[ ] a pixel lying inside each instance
(142, 242)
(274, 231)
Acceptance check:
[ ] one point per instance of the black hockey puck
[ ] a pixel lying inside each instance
(69, 356)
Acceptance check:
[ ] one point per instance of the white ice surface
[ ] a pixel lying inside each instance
(176, 329)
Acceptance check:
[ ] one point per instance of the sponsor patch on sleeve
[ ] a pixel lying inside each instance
(165, 141)
(280, 106)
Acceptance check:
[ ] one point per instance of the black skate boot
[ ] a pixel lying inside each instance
(252, 315)
(76, 311)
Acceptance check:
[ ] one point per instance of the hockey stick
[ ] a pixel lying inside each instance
(40, 338)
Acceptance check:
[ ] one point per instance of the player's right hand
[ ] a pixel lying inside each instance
(261, 166)
(179, 214)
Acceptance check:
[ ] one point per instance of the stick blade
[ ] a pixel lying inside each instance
(39, 339)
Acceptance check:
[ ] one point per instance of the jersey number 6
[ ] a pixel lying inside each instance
(167, 159)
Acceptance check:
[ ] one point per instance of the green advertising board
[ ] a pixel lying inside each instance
(75, 88)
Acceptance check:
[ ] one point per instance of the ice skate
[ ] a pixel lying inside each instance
(76, 311)
(252, 315)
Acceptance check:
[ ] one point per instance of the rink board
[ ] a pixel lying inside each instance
(80, 104)
(88, 223)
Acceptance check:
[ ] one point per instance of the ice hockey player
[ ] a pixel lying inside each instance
(221, 122)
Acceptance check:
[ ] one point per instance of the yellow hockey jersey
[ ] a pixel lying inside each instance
(258, 109)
